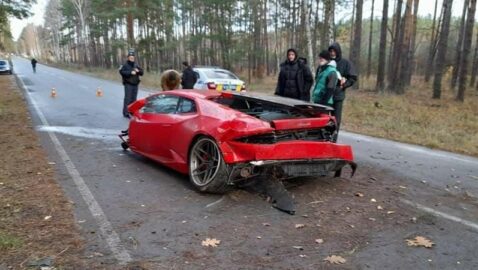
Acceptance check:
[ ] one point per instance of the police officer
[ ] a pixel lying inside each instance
(130, 72)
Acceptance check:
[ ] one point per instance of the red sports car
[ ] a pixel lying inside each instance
(223, 138)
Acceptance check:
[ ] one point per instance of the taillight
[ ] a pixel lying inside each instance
(211, 86)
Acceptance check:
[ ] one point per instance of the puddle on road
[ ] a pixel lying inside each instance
(82, 132)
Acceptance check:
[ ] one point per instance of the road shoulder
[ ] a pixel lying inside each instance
(37, 219)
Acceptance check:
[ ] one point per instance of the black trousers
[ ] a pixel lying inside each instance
(130, 95)
(338, 115)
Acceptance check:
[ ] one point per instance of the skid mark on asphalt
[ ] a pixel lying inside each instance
(442, 214)
(89, 133)
(106, 229)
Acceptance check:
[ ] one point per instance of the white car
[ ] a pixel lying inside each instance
(213, 78)
(5, 67)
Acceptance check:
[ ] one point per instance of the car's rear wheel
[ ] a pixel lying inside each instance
(207, 170)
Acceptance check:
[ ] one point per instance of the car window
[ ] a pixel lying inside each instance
(220, 74)
(161, 104)
(186, 106)
(3, 63)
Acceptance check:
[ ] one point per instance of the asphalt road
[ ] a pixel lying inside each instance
(133, 211)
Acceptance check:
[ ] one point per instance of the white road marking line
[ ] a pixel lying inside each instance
(107, 231)
(414, 148)
(442, 214)
(216, 202)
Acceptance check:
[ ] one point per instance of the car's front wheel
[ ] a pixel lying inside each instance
(207, 170)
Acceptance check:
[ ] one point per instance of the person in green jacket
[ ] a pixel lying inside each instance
(325, 81)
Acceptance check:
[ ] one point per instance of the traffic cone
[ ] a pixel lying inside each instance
(99, 92)
(53, 93)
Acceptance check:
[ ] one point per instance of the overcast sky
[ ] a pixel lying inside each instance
(426, 7)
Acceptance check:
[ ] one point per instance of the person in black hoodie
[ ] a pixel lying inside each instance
(130, 72)
(295, 78)
(349, 77)
(189, 77)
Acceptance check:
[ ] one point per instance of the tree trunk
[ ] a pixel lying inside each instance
(370, 38)
(383, 48)
(432, 49)
(129, 24)
(352, 32)
(392, 63)
(474, 70)
(413, 39)
(356, 49)
(404, 50)
(470, 21)
(442, 48)
(328, 24)
(459, 47)
(308, 34)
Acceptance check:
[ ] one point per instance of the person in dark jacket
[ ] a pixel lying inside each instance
(189, 77)
(130, 72)
(325, 81)
(34, 65)
(295, 78)
(349, 77)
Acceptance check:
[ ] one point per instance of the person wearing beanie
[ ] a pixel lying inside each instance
(130, 73)
(350, 76)
(295, 78)
(189, 77)
(325, 81)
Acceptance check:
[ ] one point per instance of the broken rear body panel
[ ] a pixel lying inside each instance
(257, 135)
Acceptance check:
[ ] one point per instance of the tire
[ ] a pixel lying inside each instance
(207, 170)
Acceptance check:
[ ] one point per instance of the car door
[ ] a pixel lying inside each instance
(183, 127)
(201, 80)
(153, 122)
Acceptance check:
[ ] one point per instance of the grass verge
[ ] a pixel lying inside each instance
(416, 118)
(36, 220)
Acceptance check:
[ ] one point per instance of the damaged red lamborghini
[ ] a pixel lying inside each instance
(224, 138)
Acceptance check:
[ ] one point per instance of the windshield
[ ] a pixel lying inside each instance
(220, 74)
(3, 63)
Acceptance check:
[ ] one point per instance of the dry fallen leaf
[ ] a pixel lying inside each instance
(373, 200)
(319, 241)
(379, 207)
(266, 224)
(390, 212)
(299, 226)
(359, 194)
(334, 259)
(420, 241)
(47, 218)
(210, 242)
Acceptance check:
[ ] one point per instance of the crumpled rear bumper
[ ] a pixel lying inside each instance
(237, 152)
(286, 159)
